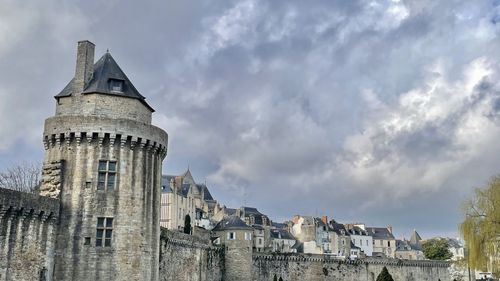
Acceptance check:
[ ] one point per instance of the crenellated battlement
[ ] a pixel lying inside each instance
(27, 205)
(186, 240)
(331, 259)
(77, 130)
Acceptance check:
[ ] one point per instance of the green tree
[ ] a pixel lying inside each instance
(481, 227)
(384, 275)
(23, 176)
(436, 249)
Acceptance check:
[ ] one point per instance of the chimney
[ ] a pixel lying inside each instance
(84, 65)
(389, 227)
(324, 219)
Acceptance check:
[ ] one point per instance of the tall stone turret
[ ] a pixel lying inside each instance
(236, 237)
(103, 160)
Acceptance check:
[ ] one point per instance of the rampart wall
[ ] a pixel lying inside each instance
(300, 267)
(189, 258)
(27, 231)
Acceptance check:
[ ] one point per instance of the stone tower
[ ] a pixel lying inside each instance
(103, 159)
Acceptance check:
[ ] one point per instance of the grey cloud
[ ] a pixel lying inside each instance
(278, 103)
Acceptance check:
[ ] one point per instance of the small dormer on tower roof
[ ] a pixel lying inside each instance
(104, 77)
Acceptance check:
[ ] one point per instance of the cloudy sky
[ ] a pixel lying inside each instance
(384, 112)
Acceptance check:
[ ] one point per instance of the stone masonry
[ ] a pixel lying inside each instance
(27, 235)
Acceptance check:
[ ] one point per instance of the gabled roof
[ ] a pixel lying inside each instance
(379, 233)
(106, 69)
(231, 223)
(415, 238)
(202, 188)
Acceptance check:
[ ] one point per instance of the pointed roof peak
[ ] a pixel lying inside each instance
(106, 72)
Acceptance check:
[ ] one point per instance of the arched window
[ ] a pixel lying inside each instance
(275, 278)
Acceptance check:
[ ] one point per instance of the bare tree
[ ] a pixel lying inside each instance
(24, 177)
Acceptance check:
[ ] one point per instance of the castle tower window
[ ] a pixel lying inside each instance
(116, 85)
(107, 175)
(231, 235)
(104, 232)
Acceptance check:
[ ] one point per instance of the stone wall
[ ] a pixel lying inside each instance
(27, 232)
(299, 267)
(189, 258)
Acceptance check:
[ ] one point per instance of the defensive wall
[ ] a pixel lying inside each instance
(27, 232)
(186, 257)
(302, 267)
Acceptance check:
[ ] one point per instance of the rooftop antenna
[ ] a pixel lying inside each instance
(244, 196)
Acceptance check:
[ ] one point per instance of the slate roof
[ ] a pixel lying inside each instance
(415, 238)
(281, 234)
(106, 69)
(230, 211)
(358, 231)
(337, 228)
(251, 211)
(206, 193)
(279, 225)
(403, 245)
(379, 233)
(165, 183)
(230, 223)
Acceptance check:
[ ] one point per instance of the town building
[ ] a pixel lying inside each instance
(340, 239)
(410, 249)
(361, 238)
(182, 198)
(384, 243)
(282, 241)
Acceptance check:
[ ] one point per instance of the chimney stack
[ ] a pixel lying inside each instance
(324, 219)
(84, 65)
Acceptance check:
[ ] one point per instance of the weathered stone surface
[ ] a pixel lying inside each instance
(189, 258)
(51, 179)
(300, 267)
(27, 234)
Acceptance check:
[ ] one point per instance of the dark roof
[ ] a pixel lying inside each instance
(250, 211)
(358, 231)
(281, 234)
(230, 211)
(166, 189)
(206, 193)
(338, 228)
(105, 69)
(415, 238)
(232, 222)
(279, 225)
(403, 245)
(379, 233)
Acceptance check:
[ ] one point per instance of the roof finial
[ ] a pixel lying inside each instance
(107, 51)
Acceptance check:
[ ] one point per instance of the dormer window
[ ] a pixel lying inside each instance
(116, 85)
